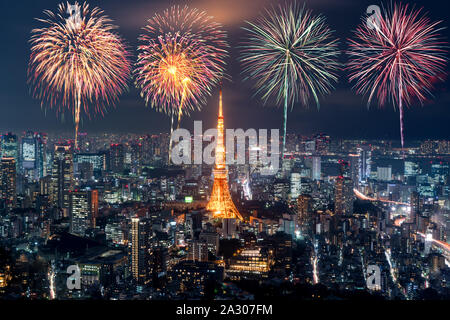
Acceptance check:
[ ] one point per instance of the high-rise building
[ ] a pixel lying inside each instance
(304, 208)
(316, 168)
(416, 205)
(354, 169)
(8, 182)
(140, 233)
(343, 195)
(62, 177)
(43, 203)
(28, 152)
(364, 163)
(136, 158)
(32, 156)
(83, 211)
(220, 203)
(10, 148)
(296, 185)
(117, 158)
(41, 155)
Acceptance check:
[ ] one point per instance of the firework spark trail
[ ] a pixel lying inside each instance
(51, 277)
(77, 62)
(397, 59)
(291, 55)
(180, 60)
(315, 263)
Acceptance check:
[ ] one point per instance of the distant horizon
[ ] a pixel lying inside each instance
(68, 134)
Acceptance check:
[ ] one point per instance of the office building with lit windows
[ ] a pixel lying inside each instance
(62, 177)
(343, 196)
(140, 230)
(8, 182)
(83, 211)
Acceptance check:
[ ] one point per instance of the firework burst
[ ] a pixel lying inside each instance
(180, 59)
(397, 58)
(292, 56)
(171, 73)
(77, 62)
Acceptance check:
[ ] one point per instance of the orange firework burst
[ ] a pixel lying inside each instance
(77, 61)
(180, 59)
(171, 73)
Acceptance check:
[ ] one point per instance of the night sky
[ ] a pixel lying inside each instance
(342, 113)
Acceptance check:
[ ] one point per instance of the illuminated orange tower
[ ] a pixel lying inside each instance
(220, 202)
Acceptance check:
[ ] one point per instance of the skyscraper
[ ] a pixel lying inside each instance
(343, 195)
(354, 169)
(220, 202)
(416, 204)
(8, 182)
(316, 168)
(364, 163)
(296, 185)
(28, 152)
(83, 211)
(136, 158)
(32, 156)
(10, 148)
(116, 158)
(140, 229)
(41, 155)
(62, 177)
(304, 208)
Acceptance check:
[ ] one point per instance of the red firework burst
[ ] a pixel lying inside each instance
(397, 57)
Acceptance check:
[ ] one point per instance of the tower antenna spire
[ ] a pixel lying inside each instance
(220, 103)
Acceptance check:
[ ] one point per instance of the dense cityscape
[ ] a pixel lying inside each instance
(134, 227)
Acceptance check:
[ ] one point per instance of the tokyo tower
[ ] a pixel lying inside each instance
(220, 203)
